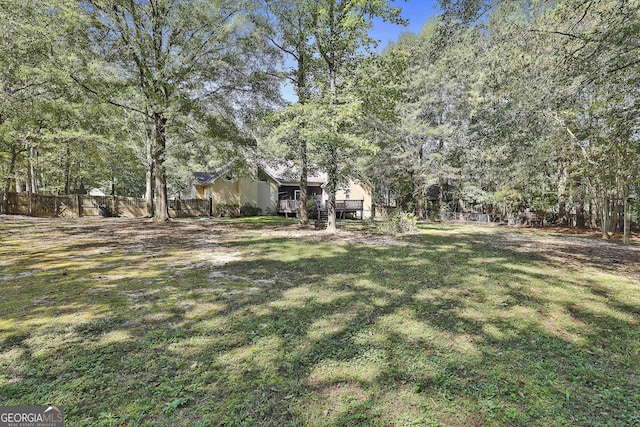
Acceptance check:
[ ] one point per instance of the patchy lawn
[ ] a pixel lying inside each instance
(259, 322)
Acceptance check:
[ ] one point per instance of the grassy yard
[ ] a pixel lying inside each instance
(257, 322)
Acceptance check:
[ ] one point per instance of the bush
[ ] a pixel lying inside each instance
(235, 211)
(248, 210)
(400, 222)
(229, 211)
(312, 207)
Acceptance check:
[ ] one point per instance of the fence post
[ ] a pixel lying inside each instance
(79, 201)
(114, 208)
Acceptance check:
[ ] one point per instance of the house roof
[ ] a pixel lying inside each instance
(281, 173)
(289, 173)
(202, 178)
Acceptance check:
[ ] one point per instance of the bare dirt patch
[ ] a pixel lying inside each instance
(577, 250)
(206, 240)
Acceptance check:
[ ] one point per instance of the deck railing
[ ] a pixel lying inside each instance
(341, 205)
(287, 205)
(349, 205)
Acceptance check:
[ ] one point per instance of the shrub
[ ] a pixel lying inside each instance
(248, 210)
(400, 222)
(230, 211)
(235, 211)
(312, 207)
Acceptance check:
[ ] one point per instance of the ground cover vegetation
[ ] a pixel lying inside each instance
(495, 106)
(261, 322)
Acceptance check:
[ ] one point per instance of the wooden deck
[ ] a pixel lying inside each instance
(343, 207)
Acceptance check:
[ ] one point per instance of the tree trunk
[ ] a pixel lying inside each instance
(580, 219)
(579, 199)
(627, 221)
(331, 187)
(332, 173)
(614, 225)
(562, 189)
(441, 196)
(27, 181)
(301, 90)
(32, 172)
(162, 201)
(420, 190)
(149, 179)
(7, 183)
(18, 181)
(420, 186)
(303, 212)
(67, 172)
(605, 217)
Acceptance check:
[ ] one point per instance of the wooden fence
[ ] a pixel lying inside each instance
(80, 205)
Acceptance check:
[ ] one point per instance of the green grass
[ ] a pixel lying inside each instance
(254, 322)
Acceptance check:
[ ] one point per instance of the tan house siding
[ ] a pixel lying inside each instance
(248, 190)
(223, 192)
(264, 192)
(200, 193)
(267, 196)
(241, 191)
(358, 191)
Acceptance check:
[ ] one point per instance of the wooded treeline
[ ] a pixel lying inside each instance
(508, 106)
(495, 106)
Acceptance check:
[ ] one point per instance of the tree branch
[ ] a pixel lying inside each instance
(108, 101)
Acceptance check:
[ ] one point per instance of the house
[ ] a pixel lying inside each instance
(226, 188)
(289, 186)
(276, 189)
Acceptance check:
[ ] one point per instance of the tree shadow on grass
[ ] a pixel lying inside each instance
(301, 332)
(520, 320)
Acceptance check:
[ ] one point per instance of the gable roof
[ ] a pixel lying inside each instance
(202, 178)
(280, 172)
(289, 172)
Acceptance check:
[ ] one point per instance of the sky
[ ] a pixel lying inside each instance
(417, 12)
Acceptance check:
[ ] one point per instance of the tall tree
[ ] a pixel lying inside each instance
(30, 31)
(574, 73)
(176, 53)
(290, 24)
(340, 31)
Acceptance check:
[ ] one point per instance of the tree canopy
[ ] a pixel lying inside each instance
(495, 107)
